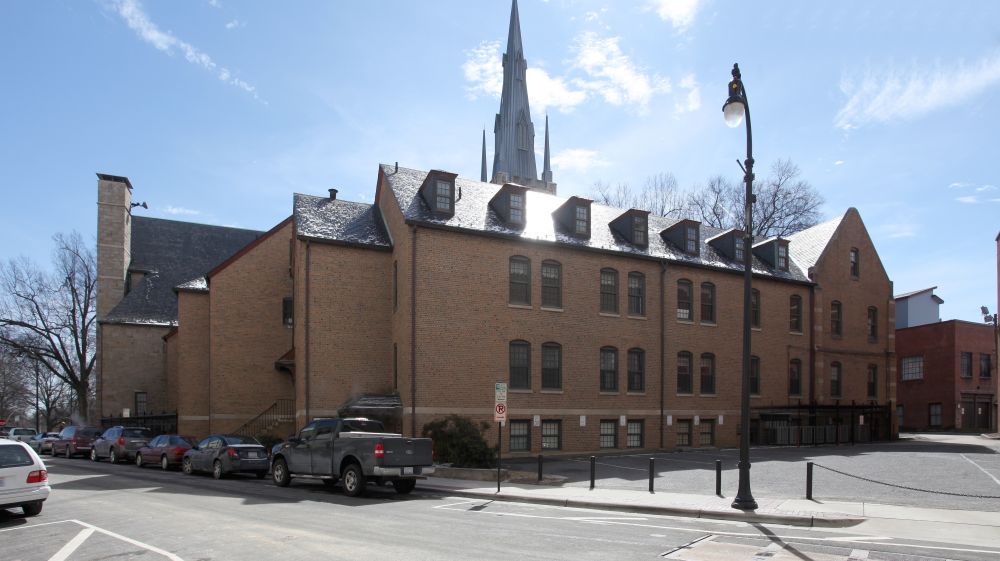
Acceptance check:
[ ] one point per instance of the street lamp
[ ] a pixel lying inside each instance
(734, 110)
(991, 319)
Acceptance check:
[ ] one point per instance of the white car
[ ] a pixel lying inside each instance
(24, 481)
(17, 433)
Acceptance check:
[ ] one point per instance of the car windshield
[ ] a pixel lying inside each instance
(359, 425)
(90, 432)
(145, 433)
(14, 456)
(236, 439)
(178, 440)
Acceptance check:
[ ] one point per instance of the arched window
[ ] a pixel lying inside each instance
(609, 291)
(707, 302)
(520, 365)
(551, 366)
(684, 300)
(684, 380)
(609, 369)
(551, 284)
(520, 280)
(636, 370)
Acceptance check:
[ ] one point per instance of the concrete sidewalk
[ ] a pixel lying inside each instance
(971, 527)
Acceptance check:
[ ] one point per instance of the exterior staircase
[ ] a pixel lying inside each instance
(278, 421)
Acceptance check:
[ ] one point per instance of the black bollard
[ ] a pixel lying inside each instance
(593, 471)
(539, 468)
(718, 477)
(809, 480)
(652, 472)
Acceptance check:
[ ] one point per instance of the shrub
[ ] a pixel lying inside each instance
(460, 442)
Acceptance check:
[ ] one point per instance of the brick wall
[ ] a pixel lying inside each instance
(133, 361)
(193, 337)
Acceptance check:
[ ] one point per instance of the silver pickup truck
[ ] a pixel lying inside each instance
(354, 451)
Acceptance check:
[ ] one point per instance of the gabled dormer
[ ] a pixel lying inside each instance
(510, 203)
(686, 235)
(774, 252)
(730, 244)
(438, 191)
(633, 226)
(573, 217)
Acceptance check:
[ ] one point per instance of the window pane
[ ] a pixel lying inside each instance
(636, 294)
(684, 433)
(520, 365)
(708, 302)
(551, 284)
(872, 381)
(609, 370)
(935, 414)
(609, 433)
(835, 379)
(872, 323)
(639, 230)
(855, 266)
(634, 434)
(795, 377)
(516, 207)
(691, 239)
(707, 373)
(912, 367)
(684, 300)
(581, 220)
(782, 257)
(755, 308)
(551, 367)
(835, 320)
(684, 373)
(739, 248)
(551, 435)
(985, 366)
(609, 291)
(706, 433)
(520, 435)
(966, 365)
(795, 313)
(636, 370)
(520, 280)
(443, 195)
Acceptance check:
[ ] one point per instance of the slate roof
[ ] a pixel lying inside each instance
(334, 220)
(806, 247)
(473, 213)
(171, 253)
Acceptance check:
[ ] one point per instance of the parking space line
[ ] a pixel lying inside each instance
(138, 543)
(72, 546)
(995, 480)
(26, 527)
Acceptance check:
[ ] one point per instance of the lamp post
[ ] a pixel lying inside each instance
(991, 319)
(734, 110)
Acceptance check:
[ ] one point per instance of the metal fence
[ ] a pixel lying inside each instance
(159, 424)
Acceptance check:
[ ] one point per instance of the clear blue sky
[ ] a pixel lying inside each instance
(218, 110)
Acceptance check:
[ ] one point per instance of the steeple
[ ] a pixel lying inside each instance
(546, 163)
(514, 133)
(482, 175)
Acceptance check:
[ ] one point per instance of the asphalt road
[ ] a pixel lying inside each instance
(102, 511)
(959, 470)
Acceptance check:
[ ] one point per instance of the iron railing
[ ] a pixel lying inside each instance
(281, 411)
(159, 424)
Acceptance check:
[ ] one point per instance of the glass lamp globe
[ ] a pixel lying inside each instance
(733, 113)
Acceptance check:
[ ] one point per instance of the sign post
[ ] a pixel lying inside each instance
(500, 416)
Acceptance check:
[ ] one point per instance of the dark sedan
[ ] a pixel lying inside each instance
(222, 454)
(167, 450)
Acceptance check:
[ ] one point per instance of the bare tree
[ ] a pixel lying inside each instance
(659, 195)
(713, 203)
(50, 317)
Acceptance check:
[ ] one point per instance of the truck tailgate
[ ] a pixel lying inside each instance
(401, 451)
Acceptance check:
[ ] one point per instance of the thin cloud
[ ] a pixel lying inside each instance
(897, 95)
(680, 13)
(235, 23)
(483, 70)
(838, 163)
(968, 199)
(137, 20)
(984, 188)
(612, 74)
(896, 231)
(692, 100)
(179, 210)
(547, 91)
(578, 159)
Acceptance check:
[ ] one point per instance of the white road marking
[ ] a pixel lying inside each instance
(995, 480)
(858, 555)
(68, 549)
(35, 525)
(138, 543)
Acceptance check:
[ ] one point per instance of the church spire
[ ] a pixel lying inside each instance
(547, 163)
(482, 175)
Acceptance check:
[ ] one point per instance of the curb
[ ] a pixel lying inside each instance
(767, 517)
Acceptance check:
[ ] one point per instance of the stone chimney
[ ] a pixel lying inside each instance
(114, 239)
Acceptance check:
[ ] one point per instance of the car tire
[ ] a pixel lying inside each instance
(279, 473)
(32, 509)
(93, 455)
(186, 466)
(113, 456)
(404, 486)
(164, 464)
(138, 460)
(217, 469)
(354, 480)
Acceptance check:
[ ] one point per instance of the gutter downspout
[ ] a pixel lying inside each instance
(308, 263)
(663, 344)
(413, 331)
(812, 345)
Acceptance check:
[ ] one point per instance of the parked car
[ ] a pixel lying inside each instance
(166, 450)
(355, 451)
(120, 443)
(222, 454)
(75, 439)
(42, 442)
(24, 481)
(20, 434)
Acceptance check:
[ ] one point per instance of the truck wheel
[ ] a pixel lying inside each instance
(279, 473)
(32, 509)
(354, 481)
(404, 486)
(217, 470)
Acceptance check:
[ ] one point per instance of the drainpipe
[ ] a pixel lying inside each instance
(413, 331)
(812, 345)
(663, 343)
(307, 364)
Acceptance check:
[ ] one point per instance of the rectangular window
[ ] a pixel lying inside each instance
(551, 284)
(738, 253)
(636, 370)
(985, 365)
(872, 381)
(684, 300)
(706, 433)
(395, 285)
(782, 257)
(520, 280)
(707, 374)
(912, 367)
(520, 436)
(634, 434)
(609, 434)
(582, 221)
(872, 323)
(836, 325)
(684, 381)
(691, 240)
(795, 314)
(636, 294)
(639, 230)
(551, 367)
(795, 377)
(287, 312)
(443, 192)
(609, 370)
(855, 266)
(835, 389)
(707, 302)
(141, 404)
(684, 432)
(754, 375)
(520, 365)
(755, 308)
(517, 208)
(934, 411)
(551, 435)
(966, 365)
(609, 291)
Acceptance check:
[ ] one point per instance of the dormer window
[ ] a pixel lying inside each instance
(438, 191)
(582, 220)
(633, 226)
(443, 199)
(782, 263)
(517, 207)
(684, 235)
(639, 230)
(510, 204)
(691, 239)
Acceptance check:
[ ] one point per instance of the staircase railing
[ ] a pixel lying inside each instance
(281, 411)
